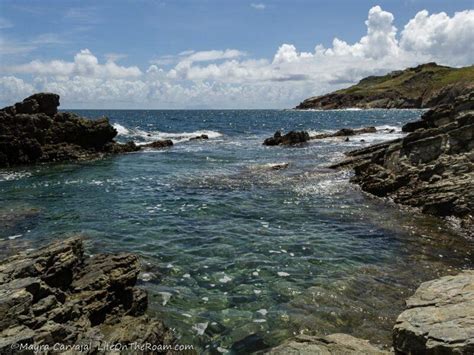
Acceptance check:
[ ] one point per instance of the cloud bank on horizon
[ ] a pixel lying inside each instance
(230, 78)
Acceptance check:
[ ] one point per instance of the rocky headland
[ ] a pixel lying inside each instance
(424, 86)
(432, 168)
(33, 131)
(58, 295)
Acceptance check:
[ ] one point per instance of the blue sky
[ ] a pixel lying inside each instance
(139, 34)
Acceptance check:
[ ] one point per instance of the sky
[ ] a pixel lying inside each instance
(182, 54)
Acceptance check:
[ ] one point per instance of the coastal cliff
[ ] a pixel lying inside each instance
(424, 86)
(57, 295)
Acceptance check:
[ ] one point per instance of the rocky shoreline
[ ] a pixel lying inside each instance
(58, 295)
(432, 168)
(33, 131)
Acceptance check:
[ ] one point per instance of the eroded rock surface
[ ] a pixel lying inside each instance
(34, 131)
(331, 344)
(431, 168)
(439, 318)
(57, 295)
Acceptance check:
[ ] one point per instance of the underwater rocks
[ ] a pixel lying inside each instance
(431, 168)
(57, 295)
(439, 318)
(34, 131)
(331, 344)
(291, 138)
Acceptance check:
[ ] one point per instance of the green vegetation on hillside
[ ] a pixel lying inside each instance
(421, 86)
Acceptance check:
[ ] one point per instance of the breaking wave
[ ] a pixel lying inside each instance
(140, 136)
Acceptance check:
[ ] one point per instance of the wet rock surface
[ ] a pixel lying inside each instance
(34, 131)
(57, 295)
(291, 138)
(431, 168)
(439, 318)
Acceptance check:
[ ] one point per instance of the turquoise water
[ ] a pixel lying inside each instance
(238, 256)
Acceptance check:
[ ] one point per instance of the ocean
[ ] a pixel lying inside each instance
(237, 255)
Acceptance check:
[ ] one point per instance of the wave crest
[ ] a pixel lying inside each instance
(141, 137)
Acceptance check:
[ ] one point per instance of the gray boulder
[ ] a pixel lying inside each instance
(439, 318)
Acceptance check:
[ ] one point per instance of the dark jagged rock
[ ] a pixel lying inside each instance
(33, 131)
(345, 132)
(431, 168)
(291, 138)
(57, 295)
(159, 144)
(424, 86)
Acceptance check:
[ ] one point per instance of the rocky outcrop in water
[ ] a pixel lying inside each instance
(34, 131)
(159, 144)
(439, 318)
(345, 132)
(424, 86)
(291, 138)
(56, 295)
(431, 168)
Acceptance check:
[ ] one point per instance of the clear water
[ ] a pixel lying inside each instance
(236, 255)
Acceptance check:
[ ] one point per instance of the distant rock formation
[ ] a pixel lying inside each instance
(345, 132)
(56, 295)
(159, 144)
(424, 86)
(291, 138)
(431, 168)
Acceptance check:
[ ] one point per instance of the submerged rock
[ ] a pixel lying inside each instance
(291, 138)
(439, 318)
(331, 344)
(57, 295)
(34, 131)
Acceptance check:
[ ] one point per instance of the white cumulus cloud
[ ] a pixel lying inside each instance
(231, 78)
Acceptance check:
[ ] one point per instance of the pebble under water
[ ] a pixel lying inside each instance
(238, 256)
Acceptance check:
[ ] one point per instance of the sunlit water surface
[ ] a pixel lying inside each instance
(238, 256)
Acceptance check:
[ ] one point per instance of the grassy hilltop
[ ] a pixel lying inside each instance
(424, 86)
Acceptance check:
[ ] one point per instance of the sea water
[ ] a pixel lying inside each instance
(236, 255)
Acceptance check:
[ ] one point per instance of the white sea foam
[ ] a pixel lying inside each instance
(143, 137)
(121, 130)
